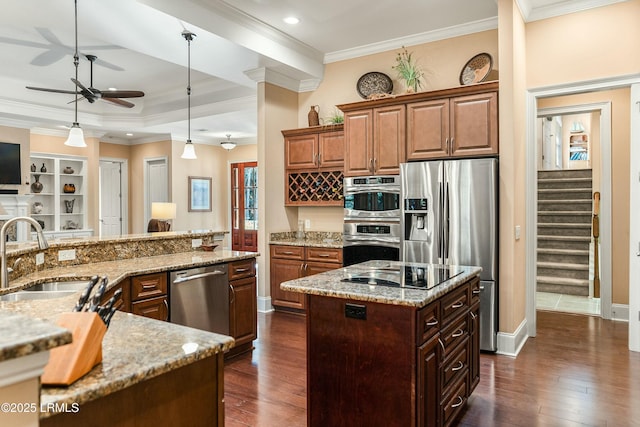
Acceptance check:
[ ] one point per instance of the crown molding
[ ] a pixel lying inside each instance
(266, 75)
(531, 13)
(415, 39)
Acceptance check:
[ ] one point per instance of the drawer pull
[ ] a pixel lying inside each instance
(166, 306)
(324, 255)
(457, 305)
(433, 322)
(241, 270)
(459, 366)
(457, 333)
(149, 286)
(287, 253)
(460, 402)
(476, 291)
(442, 345)
(473, 315)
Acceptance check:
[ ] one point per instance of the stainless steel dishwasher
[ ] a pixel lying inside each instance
(200, 298)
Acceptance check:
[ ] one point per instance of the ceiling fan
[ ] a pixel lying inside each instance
(91, 94)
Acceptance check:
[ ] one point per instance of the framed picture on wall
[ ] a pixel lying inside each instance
(199, 194)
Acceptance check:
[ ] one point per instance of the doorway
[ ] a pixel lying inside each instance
(113, 189)
(244, 206)
(156, 185)
(568, 176)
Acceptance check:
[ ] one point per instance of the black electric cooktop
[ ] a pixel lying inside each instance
(411, 277)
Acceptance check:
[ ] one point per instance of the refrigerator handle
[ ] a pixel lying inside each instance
(441, 228)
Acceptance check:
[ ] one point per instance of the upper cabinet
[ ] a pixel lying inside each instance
(374, 140)
(317, 147)
(58, 187)
(380, 134)
(314, 162)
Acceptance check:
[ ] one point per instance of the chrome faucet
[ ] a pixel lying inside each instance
(42, 244)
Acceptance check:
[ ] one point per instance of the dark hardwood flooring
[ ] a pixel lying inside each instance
(578, 371)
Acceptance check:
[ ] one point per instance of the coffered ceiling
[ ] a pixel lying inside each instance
(239, 42)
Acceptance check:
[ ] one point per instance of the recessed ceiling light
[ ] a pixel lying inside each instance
(129, 134)
(291, 20)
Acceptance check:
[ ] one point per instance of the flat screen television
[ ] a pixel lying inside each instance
(10, 163)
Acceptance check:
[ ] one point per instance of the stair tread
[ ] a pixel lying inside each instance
(562, 280)
(563, 251)
(565, 238)
(564, 190)
(565, 179)
(562, 265)
(565, 201)
(564, 213)
(565, 224)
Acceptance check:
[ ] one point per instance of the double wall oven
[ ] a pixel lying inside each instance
(371, 219)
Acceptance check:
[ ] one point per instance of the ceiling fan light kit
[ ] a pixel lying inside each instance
(76, 136)
(189, 151)
(228, 144)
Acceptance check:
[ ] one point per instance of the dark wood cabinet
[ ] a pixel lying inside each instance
(149, 296)
(243, 310)
(292, 262)
(154, 308)
(124, 302)
(374, 141)
(365, 357)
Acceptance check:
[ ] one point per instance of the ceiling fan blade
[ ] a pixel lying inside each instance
(47, 58)
(81, 86)
(44, 89)
(48, 35)
(119, 102)
(122, 94)
(23, 43)
(108, 65)
(79, 99)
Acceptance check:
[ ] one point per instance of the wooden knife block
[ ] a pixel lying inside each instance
(70, 362)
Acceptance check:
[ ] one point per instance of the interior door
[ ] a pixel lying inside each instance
(110, 198)
(244, 206)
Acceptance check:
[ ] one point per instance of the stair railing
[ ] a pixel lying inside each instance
(595, 228)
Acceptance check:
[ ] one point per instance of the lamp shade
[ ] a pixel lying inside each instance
(76, 137)
(228, 144)
(163, 211)
(189, 151)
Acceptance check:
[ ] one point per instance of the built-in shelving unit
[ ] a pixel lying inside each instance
(579, 151)
(61, 206)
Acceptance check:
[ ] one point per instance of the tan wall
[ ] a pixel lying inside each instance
(620, 151)
(18, 136)
(593, 44)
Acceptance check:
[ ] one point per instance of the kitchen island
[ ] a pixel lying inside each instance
(150, 370)
(390, 343)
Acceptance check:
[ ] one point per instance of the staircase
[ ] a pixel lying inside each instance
(564, 231)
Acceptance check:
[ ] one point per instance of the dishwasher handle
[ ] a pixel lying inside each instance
(198, 276)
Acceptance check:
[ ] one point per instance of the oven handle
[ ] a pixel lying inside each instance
(363, 189)
(390, 243)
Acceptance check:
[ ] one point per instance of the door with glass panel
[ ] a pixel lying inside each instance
(244, 206)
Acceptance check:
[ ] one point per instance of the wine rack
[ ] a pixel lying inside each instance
(322, 188)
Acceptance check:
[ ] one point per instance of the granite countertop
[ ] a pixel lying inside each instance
(330, 284)
(134, 348)
(318, 239)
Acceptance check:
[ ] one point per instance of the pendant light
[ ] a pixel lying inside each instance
(76, 137)
(228, 144)
(189, 150)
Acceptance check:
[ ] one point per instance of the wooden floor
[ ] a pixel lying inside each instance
(577, 372)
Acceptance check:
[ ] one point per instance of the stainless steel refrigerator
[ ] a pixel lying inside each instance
(450, 216)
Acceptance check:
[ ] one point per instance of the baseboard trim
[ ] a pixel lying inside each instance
(511, 344)
(264, 305)
(620, 312)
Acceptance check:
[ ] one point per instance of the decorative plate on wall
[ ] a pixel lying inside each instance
(476, 69)
(373, 83)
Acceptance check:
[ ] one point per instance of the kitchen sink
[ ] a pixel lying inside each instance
(47, 290)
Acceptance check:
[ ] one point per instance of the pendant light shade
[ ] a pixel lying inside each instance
(189, 151)
(76, 137)
(228, 144)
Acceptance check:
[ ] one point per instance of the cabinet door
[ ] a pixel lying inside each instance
(331, 150)
(428, 395)
(301, 152)
(474, 354)
(389, 124)
(281, 271)
(427, 129)
(124, 302)
(154, 308)
(243, 310)
(358, 143)
(474, 125)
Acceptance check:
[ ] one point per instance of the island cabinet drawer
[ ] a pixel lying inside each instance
(242, 269)
(288, 252)
(153, 308)
(453, 335)
(454, 304)
(454, 402)
(428, 322)
(148, 286)
(455, 365)
(474, 290)
(324, 255)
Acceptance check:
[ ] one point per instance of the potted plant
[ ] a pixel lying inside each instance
(408, 70)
